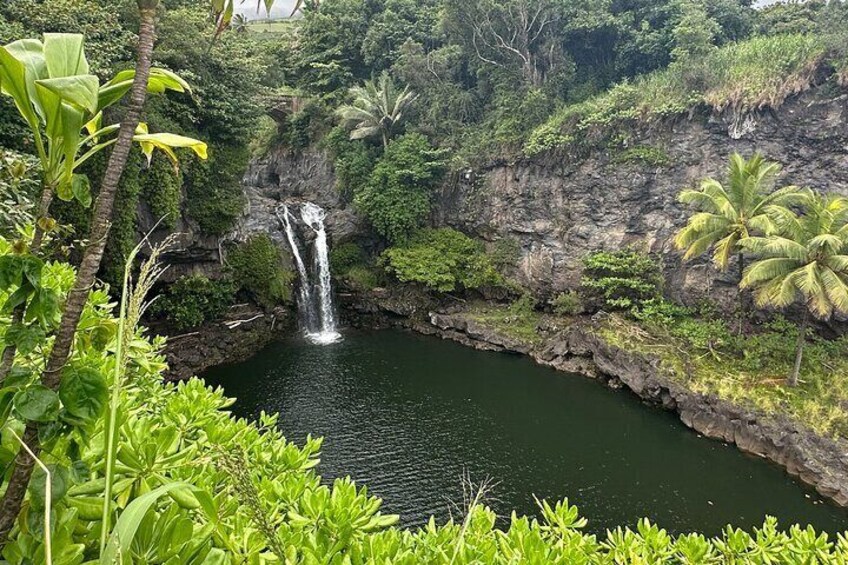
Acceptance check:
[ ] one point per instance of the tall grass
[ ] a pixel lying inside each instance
(742, 77)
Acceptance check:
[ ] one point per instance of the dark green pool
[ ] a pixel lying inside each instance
(409, 416)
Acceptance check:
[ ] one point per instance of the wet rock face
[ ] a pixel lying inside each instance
(290, 178)
(560, 210)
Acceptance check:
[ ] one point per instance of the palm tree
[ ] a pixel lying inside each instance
(377, 108)
(727, 214)
(807, 260)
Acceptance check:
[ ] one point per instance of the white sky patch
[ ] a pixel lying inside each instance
(281, 9)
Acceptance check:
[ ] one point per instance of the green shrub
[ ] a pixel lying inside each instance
(257, 267)
(567, 303)
(397, 198)
(193, 300)
(362, 277)
(354, 161)
(214, 197)
(160, 188)
(621, 280)
(444, 260)
(346, 256)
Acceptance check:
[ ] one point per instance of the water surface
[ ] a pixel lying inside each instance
(409, 416)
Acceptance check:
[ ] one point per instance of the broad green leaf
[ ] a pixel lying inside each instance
(79, 90)
(31, 267)
(81, 189)
(25, 337)
(37, 404)
(83, 392)
(160, 80)
(14, 83)
(30, 52)
(59, 483)
(44, 307)
(215, 557)
(65, 54)
(118, 548)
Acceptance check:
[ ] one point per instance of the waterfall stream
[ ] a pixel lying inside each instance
(316, 308)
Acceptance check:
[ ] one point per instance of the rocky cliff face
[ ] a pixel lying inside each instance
(559, 209)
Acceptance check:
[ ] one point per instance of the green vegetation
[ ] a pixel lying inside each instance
(567, 303)
(257, 267)
(443, 260)
(749, 370)
(621, 280)
(350, 264)
(194, 300)
(398, 195)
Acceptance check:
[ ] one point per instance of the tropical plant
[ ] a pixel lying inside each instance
(621, 280)
(62, 104)
(807, 260)
(377, 109)
(728, 213)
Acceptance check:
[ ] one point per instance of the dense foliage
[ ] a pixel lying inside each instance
(621, 280)
(491, 75)
(398, 195)
(193, 300)
(257, 267)
(442, 259)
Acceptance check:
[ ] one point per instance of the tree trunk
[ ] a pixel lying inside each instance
(100, 225)
(7, 358)
(740, 295)
(799, 351)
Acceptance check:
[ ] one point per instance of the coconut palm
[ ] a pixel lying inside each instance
(728, 213)
(807, 260)
(377, 108)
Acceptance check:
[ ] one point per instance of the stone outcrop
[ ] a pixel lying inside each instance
(560, 209)
(818, 461)
(240, 335)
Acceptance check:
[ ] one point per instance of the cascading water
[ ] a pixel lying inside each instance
(304, 303)
(316, 308)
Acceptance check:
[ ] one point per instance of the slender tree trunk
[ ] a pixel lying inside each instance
(100, 225)
(7, 358)
(740, 295)
(799, 350)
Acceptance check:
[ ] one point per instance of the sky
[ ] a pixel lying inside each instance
(281, 9)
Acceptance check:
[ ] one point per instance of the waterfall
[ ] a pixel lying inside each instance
(304, 303)
(316, 308)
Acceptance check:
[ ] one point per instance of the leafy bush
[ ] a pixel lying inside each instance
(257, 267)
(621, 280)
(749, 75)
(444, 260)
(252, 494)
(346, 256)
(397, 198)
(354, 161)
(160, 188)
(214, 197)
(567, 303)
(350, 264)
(193, 300)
